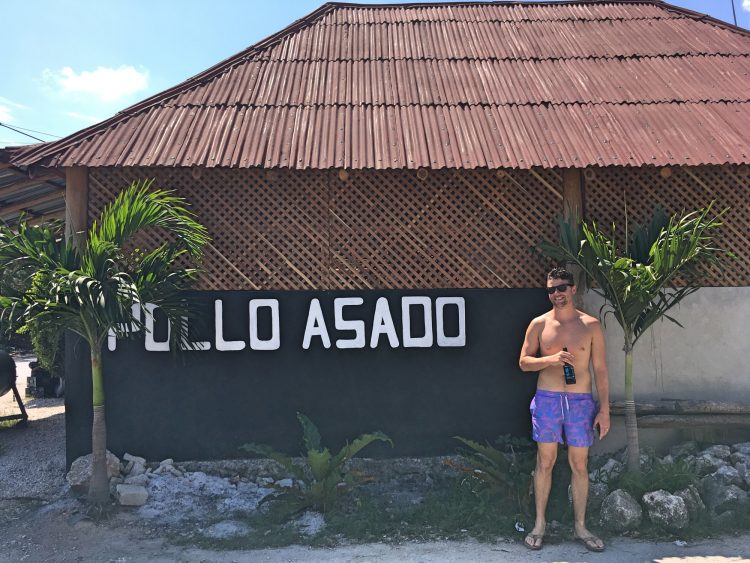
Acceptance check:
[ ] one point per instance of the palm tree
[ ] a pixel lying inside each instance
(90, 290)
(664, 261)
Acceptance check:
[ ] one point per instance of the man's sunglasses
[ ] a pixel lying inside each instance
(562, 288)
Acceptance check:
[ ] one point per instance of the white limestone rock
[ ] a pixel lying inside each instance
(725, 475)
(80, 471)
(131, 495)
(666, 510)
(719, 451)
(693, 501)
(743, 448)
(743, 473)
(134, 458)
(683, 450)
(597, 493)
(141, 480)
(607, 472)
(137, 469)
(620, 512)
(706, 464)
(720, 498)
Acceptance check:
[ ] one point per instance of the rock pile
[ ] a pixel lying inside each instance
(723, 488)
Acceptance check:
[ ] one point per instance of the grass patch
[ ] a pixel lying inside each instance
(11, 423)
(671, 477)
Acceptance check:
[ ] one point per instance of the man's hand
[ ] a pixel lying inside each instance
(602, 419)
(562, 357)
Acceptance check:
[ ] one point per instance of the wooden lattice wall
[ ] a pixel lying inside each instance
(361, 229)
(609, 191)
(329, 229)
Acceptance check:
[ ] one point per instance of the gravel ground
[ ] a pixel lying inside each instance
(32, 456)
(41, 522)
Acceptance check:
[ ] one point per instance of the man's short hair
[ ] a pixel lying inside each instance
(561, 274)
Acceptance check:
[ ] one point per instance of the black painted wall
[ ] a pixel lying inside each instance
(203, 405)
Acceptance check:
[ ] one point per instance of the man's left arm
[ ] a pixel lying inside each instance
(601, 376)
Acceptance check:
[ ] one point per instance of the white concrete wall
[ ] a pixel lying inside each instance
(707, 360)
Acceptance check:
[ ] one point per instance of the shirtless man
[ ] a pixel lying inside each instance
(560, 409)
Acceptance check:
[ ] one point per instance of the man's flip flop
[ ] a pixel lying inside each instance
(589, 542)
(533, 546)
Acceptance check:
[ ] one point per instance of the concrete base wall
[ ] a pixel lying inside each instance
(706, 360)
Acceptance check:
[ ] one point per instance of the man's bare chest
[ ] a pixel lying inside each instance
(574, 336)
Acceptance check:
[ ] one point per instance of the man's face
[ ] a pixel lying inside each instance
(563, 294)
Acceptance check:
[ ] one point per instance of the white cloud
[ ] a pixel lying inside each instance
(5, 115)
(12, 104)
(106, 84)
(746, 5)
(83, 117)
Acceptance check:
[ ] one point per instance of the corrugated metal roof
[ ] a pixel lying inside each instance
(450, 85)
(37, 194)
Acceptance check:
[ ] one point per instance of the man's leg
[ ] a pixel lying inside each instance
(578, 458)
(545, 461)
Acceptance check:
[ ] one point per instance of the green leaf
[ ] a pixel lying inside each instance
(320, 463)
(310, 433)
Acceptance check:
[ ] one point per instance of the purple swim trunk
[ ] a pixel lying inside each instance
(553, 412)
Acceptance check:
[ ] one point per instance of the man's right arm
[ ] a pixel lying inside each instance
(529, 360)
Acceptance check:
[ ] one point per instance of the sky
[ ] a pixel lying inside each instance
(69, 64)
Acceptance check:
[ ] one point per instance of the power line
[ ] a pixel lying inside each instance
(734, 14)
(21, 132)
(40, 132)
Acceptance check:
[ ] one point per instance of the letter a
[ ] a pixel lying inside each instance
(382, 323)
(316, 326)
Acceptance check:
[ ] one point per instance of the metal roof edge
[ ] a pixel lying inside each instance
(46, 151)
(700, 17)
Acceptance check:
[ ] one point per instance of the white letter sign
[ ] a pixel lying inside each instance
(316, 326)
(274, 342)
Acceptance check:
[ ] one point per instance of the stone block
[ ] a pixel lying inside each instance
(131, 495)
(134, 458)
(141, 480)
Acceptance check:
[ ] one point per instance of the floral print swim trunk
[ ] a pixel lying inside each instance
(554, 413)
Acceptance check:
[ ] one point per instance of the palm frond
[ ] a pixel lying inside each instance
(640, 287)
(139, 207)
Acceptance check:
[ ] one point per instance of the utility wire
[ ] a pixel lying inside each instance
(35, 131)
(21, 132)
(734, 14)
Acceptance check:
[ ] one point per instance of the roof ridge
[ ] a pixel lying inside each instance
(618, 57)
(544, 103)
(659, 3)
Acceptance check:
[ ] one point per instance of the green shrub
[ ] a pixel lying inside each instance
(324, 473)
(500, 476)
(671, 477)
(48, 342)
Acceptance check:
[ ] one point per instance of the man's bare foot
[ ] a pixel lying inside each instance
(589, 540)
(535, 539)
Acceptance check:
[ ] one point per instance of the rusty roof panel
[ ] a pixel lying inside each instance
(476, 81)
(450, 85)
(522, 136)
(485, 12)
(521, 40)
